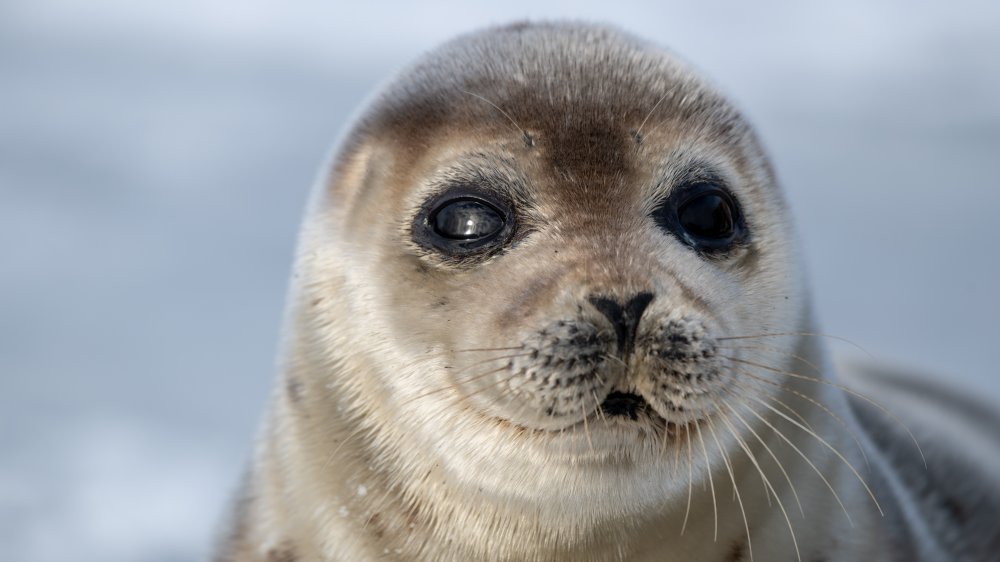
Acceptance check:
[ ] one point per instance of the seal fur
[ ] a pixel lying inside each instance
(594, 389)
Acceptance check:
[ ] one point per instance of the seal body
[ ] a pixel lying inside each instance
(547, 305)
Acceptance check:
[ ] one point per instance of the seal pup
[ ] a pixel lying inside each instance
(547, 305)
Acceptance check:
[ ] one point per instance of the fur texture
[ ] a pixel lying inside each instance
(434, 407)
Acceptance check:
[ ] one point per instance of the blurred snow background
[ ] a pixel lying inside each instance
(155, 157)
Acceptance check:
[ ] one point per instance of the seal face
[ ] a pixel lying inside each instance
(547, 304)
(570, 239)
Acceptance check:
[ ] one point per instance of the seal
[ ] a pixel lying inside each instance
(548, 305)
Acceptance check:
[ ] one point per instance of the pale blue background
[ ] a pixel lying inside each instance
(155, 157)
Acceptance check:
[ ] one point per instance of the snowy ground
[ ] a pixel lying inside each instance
(154, 161)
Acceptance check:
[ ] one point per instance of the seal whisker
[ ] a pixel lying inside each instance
(842, 388)
(770, 452)
(763, 380)
(677, 447)
(509, 391)
(614, 358)
(708, 469)
(784, 405)
(528, 140)
(716, 406)
(784, 438)
(473, 377)
(638, 131)
(513, 347)
(514, 394)
(767, 483)
(796, 334)
(833, 449)
(690, 465)
(663, 448)
(586, 428)
(462, 380)
(455, 385)
(489, 359)
(600, 411)
(826, 444)
(463, 377)
(732, 478)
(799, 358)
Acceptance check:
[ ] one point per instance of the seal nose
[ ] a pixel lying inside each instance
(624, 319)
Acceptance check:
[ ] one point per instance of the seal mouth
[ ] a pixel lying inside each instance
(624, 404)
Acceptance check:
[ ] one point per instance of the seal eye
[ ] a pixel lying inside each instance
(466, 219)
(704, 216)
(708, 216)
(465, 222)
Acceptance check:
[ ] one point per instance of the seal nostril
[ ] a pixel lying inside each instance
(624, 319)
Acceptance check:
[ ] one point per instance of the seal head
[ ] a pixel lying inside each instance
(551, 227)
(516, 303)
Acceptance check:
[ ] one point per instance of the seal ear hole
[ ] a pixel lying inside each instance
(703, 215)
(464, 222)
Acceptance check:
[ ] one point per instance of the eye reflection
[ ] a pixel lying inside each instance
(467, 219)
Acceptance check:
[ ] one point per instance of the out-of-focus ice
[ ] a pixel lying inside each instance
(154, 160)
(111, 489)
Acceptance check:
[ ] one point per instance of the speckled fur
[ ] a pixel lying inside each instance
(439, 408)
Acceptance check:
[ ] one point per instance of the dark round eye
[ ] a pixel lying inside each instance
(466, 219)
(464, 222)
(708, 216)
(704, 216)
